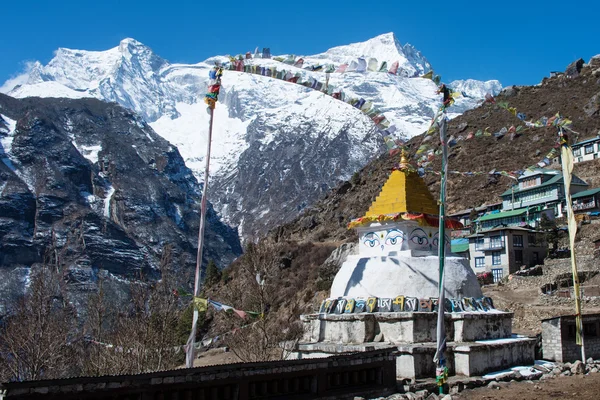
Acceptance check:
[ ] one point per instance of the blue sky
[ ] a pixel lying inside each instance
(514, 42)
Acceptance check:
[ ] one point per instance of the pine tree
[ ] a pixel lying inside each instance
(213, 274)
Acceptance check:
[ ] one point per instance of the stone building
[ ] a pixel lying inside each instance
(558, 338)
(504, 250)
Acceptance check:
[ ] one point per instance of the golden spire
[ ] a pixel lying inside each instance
(404, 164)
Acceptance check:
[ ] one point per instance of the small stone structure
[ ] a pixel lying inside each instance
(387, 294)
(558, 338)
(370, 374)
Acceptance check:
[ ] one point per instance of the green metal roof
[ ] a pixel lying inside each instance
(585, 193)
(460, 248)
(555, 179)
(558, 178)
(506, 214)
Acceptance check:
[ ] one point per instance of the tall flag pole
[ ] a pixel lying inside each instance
(567, 170)
(211, 100)
(441, 370)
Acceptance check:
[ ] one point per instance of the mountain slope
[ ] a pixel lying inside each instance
(318, 141)
(90, 187)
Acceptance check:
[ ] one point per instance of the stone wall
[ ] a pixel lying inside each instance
(559, 339)
(551, 340)
(368, 374)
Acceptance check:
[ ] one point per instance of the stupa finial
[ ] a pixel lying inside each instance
(404, 164)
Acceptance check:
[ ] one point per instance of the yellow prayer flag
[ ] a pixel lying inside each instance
(567, 167)
(200, 304)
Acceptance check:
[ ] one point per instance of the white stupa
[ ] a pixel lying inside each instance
(398, 247)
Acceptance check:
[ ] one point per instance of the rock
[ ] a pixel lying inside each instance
(462, 126)
(517, 375)
(447, 397)
(578, 367)
(594, 370)
(493, 385)
(590, 360)
(574, 68)
(594, 62)
(592, 107)
(509, 91)
(421, 394)
(556, 371)
(433, 396)
(566, 373)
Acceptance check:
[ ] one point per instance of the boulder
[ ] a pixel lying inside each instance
(574, 68)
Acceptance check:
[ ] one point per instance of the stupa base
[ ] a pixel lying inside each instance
(415, 360)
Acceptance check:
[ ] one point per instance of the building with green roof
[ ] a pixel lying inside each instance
(540, 189)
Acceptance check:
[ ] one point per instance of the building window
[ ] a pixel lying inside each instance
(497, 274)
(496, 258)
(479, 262)
(519, 257)
(577, 152)
(478, 243)
(589, 148)
(517, 240)
(496, 242)
(590, 330)
(531, 242)
(535, 258)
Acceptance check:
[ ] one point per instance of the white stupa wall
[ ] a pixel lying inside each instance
(379, 239)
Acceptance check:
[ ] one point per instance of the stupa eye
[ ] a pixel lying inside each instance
(419, 237)
(394, 236)
(371, 239)
(420, 240)
(435, 241)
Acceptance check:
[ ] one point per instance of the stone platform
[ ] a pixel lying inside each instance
(478, 342)
(405, 327)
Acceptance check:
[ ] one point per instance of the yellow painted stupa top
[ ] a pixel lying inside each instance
(404, 192)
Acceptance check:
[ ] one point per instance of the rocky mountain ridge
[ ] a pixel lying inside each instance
(277, 147)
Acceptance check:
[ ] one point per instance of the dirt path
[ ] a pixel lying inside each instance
(580, 387)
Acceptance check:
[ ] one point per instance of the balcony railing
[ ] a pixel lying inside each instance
(489, 246)
(584, 206)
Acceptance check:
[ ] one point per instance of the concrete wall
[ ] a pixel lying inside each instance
(483, 357)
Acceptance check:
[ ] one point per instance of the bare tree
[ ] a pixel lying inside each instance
(142, 337)
(265, 335)
(37, 339)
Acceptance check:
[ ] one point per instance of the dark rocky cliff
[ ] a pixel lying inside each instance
(89, 187)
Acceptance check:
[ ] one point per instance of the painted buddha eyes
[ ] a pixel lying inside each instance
(371, 239)
(436, 239)
(393, 237)
(419, 237)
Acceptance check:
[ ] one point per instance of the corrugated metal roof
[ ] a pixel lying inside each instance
(506, 214)
(588, 192)
(460, 248)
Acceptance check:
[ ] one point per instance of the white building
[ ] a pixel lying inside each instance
(586, 150)
(504, 250)
(540, 189)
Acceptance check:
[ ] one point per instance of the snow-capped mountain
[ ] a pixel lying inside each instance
(277, 146)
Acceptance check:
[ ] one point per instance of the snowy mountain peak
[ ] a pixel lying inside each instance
(385, 47)
(272, 137)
